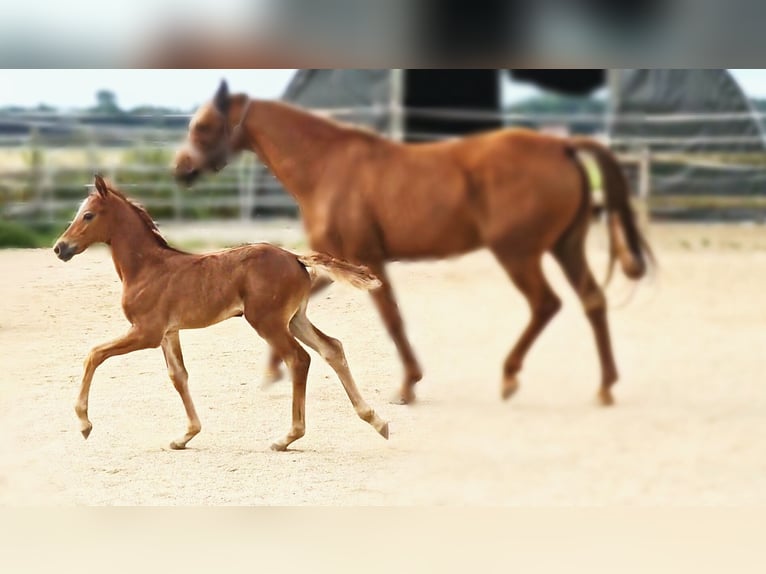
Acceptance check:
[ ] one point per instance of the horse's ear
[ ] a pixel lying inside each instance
(221, 98)
(100, 185)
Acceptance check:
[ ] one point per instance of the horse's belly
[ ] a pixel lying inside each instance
(430, 239)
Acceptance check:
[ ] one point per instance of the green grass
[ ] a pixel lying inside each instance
(15, 235)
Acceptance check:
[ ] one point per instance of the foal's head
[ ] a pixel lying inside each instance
(211, 140)
(91, 223)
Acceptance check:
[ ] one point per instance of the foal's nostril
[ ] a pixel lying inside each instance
(57, 248)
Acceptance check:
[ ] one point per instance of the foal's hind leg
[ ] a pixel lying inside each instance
(274, 330)
(570, 253)
(171, 348)
(527, 274)
(273, 371)
(331, 351)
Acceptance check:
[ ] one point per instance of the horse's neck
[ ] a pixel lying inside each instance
(291, 142)
(133, 245)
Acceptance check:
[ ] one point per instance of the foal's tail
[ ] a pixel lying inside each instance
(339, 270)
(627, 243)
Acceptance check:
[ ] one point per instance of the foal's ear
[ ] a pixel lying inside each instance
(221, 98)
(100, 185)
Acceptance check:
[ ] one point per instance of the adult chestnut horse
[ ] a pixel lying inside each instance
(370, 200)
(165, 290)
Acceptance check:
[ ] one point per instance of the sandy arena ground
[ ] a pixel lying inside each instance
(689, 427)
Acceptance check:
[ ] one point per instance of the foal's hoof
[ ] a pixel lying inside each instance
(86, 431)
(384, 431)
(605, 397)
(510, 386)
(177, 445)
(278, 447)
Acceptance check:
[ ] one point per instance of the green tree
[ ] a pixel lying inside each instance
(106, 102)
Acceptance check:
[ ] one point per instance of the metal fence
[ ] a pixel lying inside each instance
(37, 188)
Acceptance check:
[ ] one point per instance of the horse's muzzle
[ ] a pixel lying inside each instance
(187, 178)
(64, 250)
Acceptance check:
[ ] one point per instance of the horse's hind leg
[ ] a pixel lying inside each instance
(331, 351)
(385, 302)
(274, 330)
(171, 348)
(273, 371)
(527, 274)
(570, 253)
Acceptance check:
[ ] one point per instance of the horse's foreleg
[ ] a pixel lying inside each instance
(273, 371)
(331, 351)
(527, 274)
(171, 348)
(389, 312)
(134, 340)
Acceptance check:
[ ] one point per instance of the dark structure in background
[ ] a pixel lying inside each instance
(699, 112)
(713, 119)
(452, 90)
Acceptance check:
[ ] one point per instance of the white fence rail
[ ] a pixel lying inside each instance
(252, 188)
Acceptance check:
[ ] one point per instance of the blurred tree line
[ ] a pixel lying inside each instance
(106, 104)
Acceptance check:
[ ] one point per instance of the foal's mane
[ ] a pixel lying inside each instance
(144, 216)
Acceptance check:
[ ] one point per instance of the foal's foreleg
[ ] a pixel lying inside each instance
(171, 348)
(273, 371)
(134, 340)
(527, 274)
(331, 351)
(385, 302)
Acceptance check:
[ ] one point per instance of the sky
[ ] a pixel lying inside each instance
(182, 89)
(186, 89)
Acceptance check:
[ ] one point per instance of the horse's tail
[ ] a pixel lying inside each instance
(627, 243)
(355, 275)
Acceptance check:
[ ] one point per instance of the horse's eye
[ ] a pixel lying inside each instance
(88, 216)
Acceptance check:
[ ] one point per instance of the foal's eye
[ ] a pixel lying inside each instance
(88, 216)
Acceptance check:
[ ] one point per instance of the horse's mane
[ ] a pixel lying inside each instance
(323, 120)
(144, 216)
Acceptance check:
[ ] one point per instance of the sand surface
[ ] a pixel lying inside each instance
(689, 426)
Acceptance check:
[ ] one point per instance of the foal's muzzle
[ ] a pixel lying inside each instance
(64, 250)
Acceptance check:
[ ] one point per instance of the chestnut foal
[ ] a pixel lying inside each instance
(166, 290)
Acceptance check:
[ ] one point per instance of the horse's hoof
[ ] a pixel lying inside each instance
(510, 386)
(405, 397)
(271, 377)
(278, 447)
(177, 445)
(402, 399)
(605, 397)
(86, 432)
(384, 431)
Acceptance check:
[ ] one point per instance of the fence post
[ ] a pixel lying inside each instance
(644, 185)
(395, 105)
(246, 183)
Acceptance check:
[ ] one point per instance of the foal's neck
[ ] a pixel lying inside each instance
(133, 245)
(291, 142)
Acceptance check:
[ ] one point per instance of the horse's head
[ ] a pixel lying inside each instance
(90, 224)
(209, 143)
